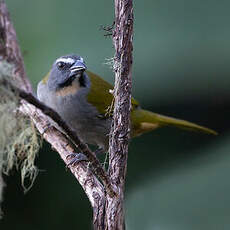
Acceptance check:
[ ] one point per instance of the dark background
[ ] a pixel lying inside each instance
(176, 179)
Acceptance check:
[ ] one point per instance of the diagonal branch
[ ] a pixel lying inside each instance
(63, 146)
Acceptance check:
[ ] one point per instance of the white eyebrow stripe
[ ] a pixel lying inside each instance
(81, 59)
(66, 60)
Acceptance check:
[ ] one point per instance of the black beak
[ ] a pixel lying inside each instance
(78, 68)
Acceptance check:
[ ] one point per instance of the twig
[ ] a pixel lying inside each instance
(108, 29)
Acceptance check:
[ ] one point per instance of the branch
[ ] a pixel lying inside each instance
(92, 187)
(122, 38)
(120, 131)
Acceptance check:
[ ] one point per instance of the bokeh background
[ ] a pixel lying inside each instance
(176, 180)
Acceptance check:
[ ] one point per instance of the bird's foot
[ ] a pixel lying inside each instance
(75, 158)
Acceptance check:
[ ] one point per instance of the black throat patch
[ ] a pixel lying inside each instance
(70, 80)
(66, 83)
(82, 80)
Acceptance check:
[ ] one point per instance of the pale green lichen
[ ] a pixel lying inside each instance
(19, 143)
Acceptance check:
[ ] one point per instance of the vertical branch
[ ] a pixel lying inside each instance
(120, 131)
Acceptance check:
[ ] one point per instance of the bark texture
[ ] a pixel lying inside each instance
(9, 49)
(120, 130)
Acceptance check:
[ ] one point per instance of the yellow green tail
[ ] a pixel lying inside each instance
(145, 121)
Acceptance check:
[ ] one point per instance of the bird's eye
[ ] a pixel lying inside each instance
(61, 65)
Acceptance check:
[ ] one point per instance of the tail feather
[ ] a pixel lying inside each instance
(145, 121)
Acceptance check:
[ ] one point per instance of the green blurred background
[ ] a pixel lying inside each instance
(176, 180)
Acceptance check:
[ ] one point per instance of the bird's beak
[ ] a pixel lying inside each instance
(78, 68)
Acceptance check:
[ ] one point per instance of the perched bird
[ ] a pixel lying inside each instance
(84, 101)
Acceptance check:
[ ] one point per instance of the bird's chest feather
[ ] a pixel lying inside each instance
(74, 108)
(84, 118)
(80, 115)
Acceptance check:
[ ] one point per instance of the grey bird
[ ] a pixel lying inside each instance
(84, 101)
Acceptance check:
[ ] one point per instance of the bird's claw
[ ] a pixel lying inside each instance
(45, 128)
(75, 158)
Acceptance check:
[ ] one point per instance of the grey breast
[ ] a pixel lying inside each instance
(79, 115)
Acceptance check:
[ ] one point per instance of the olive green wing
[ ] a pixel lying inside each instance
(142, 120)
(100, 96)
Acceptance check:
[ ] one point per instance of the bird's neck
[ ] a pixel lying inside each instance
(68, 90)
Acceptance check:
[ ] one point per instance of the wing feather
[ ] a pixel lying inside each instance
(99, 94)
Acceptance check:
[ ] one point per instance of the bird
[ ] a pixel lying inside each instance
(85, 102)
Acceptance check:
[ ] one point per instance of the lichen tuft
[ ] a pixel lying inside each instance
(19, 142)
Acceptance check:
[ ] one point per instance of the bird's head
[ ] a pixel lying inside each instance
(65, 71)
